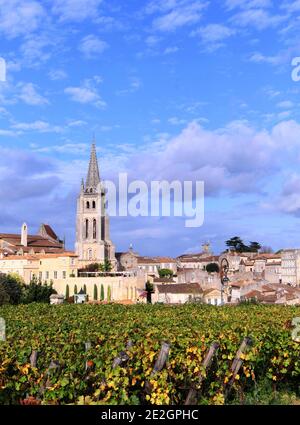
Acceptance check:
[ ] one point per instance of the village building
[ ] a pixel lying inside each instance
(290, 267)
(42, 267)
(177, 293)
(45, 241)
(152, 265)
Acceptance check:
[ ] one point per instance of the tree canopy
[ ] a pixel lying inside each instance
(237, 244)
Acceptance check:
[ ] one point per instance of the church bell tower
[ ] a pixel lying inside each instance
(93, 242)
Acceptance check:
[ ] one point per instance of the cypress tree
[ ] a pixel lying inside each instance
(67, 291)
(108, 294)
(84, 288)
(75, 290)
(102, 293)
(95, 292)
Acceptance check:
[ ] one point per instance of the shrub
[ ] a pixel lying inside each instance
(12, 285)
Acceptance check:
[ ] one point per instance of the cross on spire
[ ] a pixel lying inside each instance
(93, 176)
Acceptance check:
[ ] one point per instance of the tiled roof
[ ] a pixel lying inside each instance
(180, 288)
(38, 256)
(155, 260)
(36, 242)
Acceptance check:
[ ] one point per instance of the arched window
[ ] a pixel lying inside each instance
(90, 254)
(91, 190)
(86, 228)
(94, 204)
(94, 229)
(88, 205)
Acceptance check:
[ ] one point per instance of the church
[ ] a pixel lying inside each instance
(93, 242)
(92, 223)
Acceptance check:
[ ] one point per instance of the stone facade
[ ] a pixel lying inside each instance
(93, 242)
(290, 267)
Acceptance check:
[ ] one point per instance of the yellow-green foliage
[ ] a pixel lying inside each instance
(59, 333)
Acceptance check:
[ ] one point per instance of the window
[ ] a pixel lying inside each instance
(90, 254)
(55, 275)
(64, 274)
(88, 205)
(86, 228)
(40, 275)
(47, 275)
(94, 204)
(216, 301)
(209, 301)
(94, 229)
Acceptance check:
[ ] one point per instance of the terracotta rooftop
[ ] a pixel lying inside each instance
(180, 288)
(155, 260)
(38, 256)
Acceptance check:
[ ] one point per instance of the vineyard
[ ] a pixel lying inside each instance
(106, 354)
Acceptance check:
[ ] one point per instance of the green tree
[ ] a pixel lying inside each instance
(37, 291)
(108, 294)
(4, 297)
(149, 289)
(236, 244)
(12, 285)
(168, 273)
(95, 293)
(67, 291)
(254, 246)
(75, 289)
(105, 267)
(84, 288)
(212, 268)
(93, 267)
(102, 293)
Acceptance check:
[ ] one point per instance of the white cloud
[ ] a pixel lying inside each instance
(285, 104)
(247, 4)
(91, 46)
(85, 94)
(76, 10)
(152, 40)
(174, 14)
(170, 50)
(28, 94)
(260, 19)
(236, 158)
(40, 126)
(213, 35)
(18, 17)
(176, 121)
(57, 74)
(77, 123)
(36, 49)
(258, 57)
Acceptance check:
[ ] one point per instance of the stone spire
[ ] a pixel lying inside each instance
(93, 177)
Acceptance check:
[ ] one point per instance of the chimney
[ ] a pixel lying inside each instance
(24, 235)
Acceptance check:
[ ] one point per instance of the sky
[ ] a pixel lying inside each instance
(171, 90)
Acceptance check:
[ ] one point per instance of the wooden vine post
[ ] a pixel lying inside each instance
(87, 346)
(237, 363)
(193, 394)
(159, 364)
(122, 357)
(33, 358)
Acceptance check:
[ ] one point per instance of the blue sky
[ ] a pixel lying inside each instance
(174, 89)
